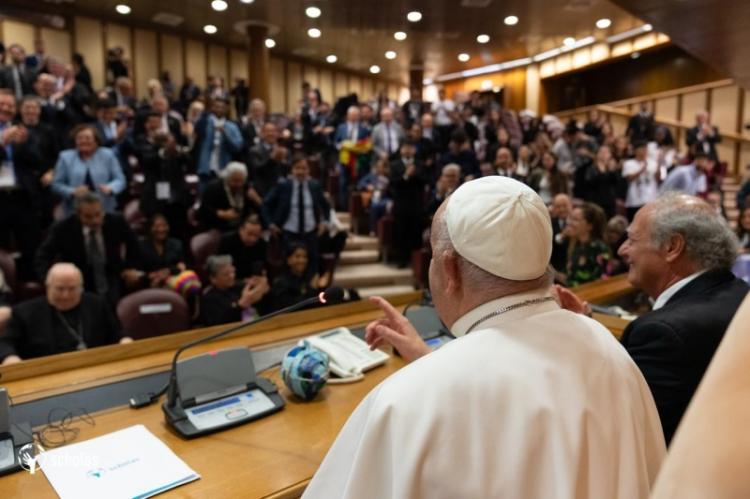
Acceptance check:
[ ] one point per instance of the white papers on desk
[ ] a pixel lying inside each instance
(130, 463)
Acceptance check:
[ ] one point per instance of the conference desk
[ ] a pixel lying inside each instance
(274, 457)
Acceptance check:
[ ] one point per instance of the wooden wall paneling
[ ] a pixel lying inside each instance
(691, 104)
(355, 85)
(172, 59)
(746, 114)
(278, 86)
(368, 88)
(311, 74)
(582, 57)
(20, 33)
(326, 86)
(89, 42)
(145, 60)
(726, 150)
(293, 86)
(563, 62)
(666, 108)
(218, 64)
(238, 65)
(340, 84)
(195, 62)
(724, 107)
(57, 43)
(744, 160)
(117, 35)
(619, 124)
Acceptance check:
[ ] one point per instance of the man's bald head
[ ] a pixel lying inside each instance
(561, 206)
(64, 286)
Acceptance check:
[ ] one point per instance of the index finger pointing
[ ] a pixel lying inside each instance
(390, 312)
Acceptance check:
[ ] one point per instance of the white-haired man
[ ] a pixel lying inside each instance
(680, 252)
(530, 401)
(229, 199)
(64, 320)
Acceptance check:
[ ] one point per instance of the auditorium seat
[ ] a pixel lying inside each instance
(385, 237)
(134, 216)
(359, 213)
(202, 246)
(153, 312)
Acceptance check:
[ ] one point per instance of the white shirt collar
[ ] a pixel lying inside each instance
(668, 293)
(462, 325)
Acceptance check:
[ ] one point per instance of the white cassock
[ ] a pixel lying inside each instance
(537, 403)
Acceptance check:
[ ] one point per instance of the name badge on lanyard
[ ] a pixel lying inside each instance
(7, 175)
(163, 191)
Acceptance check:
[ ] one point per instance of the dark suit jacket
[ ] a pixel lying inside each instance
(408, 194)
(35, 329)
(171, 169)
(65, 243)
(673, 346)
(26, 75)
(247, 261)
(264, 171)
(707, 143)
(27, 164)
(214, 198)
(278, 203)
(559, 257)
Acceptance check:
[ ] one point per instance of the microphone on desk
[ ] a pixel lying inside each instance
(229, 373)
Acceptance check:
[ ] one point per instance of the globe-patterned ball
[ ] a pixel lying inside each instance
(305, 371)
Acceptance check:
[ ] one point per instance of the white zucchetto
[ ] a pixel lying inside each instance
(502, 226)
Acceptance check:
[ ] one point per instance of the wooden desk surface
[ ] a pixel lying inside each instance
(274, 457)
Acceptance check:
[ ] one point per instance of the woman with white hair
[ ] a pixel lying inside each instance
(229, 199)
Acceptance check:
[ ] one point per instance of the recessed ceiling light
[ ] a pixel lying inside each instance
(414, 16)
(374, 69)
(210, 29)
(313, 33)
(270, 43)
(603, 23)
(219, 5)
(464, 57)
(123, 9)
(247, 1)
(511, 20)
(647, 27)
(313, 12)
(483, 38)
(390, 54)
(331, 59)
(635, 55)
(399, 35)
(569, 41)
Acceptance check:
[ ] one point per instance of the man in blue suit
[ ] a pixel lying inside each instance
(299, 211)
(217, 140)
(351, 131)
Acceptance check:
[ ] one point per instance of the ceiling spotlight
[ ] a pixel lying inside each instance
(647, 27)
(219, 5)
(374, 69)
(483, 38)
(210, 29)
(313, 12)
(511, 20)
(463, 57)
(247, 1)
(390, 54)
(635, 55)
(569, 41)
(331, 59)
(603, 23)
(313, 33)
(123, 9)
(270, 43)
(399, 35)
(414, 16)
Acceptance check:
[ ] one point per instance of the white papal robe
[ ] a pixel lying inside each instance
(537, 403)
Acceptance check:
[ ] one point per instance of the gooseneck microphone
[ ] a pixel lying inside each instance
(330, 296)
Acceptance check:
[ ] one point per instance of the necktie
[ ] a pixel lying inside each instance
(388, 138)
(96, 258)
(301, 207)
(17, 82)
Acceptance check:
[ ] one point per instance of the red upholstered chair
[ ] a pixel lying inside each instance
(202, 246)
(153, 312)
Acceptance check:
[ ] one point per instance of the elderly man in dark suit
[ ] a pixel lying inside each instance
(267, 160)
(298, 210)
(703, 137)
(17, 76)
(680, 253)
(64, 320)
(101, 245)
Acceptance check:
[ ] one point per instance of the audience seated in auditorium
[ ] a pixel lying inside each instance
(598, 181)
(615, 235)
(407, 185)
(65, 320)
(461, 152)
(449, 180)
(643, 178)
(227, 299)
(252, 123)
(743, 230)
(743, 194)
(267, 160)
(375, 192)
(588, 255)
(387, 135)
(162, 255)
(6, 296)
(298, 211)
(703, 136)
(246, 246)
(123, 96)
(88, 168)
(559, 212)
(100, 244)
(547, 180)
(641, 125)
(295, 283)
(228, 200)
(565, 148)
(17, 76)
(351, 140)
(689, 179)
(218, 140)
(414, 108)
